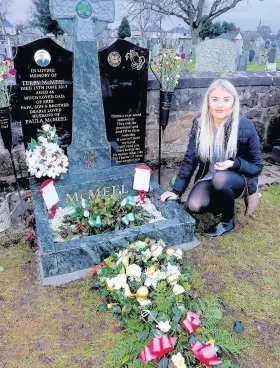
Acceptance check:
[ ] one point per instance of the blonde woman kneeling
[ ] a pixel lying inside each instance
(226, 147)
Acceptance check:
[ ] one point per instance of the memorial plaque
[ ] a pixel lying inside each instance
(124, 79)
(45, 88)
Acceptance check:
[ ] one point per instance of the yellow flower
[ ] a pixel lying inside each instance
(212, 342)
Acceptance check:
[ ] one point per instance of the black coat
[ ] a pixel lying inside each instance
(248, 161)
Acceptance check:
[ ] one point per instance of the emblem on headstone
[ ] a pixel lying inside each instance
(84, 9)
(137, 61)
(114, 59)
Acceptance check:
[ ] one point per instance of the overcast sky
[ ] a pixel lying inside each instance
(246, 15)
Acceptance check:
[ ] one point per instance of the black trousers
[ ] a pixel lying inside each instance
(217, 195)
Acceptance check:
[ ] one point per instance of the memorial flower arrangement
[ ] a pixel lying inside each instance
(167, 67)
(102, 214)
(44, 157)
(147, 286)
(6, 71)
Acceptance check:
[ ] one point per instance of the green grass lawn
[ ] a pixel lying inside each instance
(59, 327)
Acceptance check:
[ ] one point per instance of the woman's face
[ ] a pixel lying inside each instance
(220, 104)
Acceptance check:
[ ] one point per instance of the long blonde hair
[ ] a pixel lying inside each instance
(204, 139)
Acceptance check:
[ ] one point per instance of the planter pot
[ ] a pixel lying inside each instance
(165, 104)
(5, 127)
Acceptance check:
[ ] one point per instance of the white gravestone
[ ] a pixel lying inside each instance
(216, 55)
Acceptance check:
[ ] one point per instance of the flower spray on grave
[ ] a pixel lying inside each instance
(147, 286)
(47, 161)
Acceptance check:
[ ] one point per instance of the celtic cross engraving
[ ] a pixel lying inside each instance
(84, 19)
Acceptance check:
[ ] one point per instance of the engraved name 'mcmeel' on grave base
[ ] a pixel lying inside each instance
(90, 171)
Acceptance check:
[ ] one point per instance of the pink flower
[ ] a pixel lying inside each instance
(8, 59)
(206, 354)
(192, 322)
(12, 71)
(4, 76)
(183, 56)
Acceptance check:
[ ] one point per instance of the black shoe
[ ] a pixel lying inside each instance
(220, 229)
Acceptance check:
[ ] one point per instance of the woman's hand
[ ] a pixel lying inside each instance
(224, 165)
(168, 196)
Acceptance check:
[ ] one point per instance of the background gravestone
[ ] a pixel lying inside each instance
(242, 63)
(45, 88)
(124, 79)
(216, 55)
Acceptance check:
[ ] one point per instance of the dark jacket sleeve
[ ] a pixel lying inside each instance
(253, 166)
(189, 164)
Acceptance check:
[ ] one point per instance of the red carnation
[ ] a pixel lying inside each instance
(8, 59)
(183, 56)
(12, 71)
(4, 76)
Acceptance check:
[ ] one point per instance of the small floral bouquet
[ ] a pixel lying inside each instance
(45, 158)
(167, 67)
(147, 286)
(6, 71)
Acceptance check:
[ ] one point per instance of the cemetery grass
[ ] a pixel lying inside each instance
(60, 327)
(242, 269)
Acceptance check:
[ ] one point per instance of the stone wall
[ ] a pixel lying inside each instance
(260, 101)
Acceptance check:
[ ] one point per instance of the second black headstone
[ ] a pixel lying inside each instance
(124, 80)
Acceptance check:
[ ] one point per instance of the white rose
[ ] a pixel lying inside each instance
(133, 271)
(178, 289)
(178, 254)
(140, 245)
(156, 250)
(169, 252)
(178, 361)
(46, 127)
(164, 326)
(172, 279)
(120, 281)
(110, 283)
(86, 213)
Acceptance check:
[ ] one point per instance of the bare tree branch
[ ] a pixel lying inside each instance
(195, 13)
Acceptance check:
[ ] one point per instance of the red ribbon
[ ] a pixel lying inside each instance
(142, 195)
(158, 347)
(206, 354)
(192, 322)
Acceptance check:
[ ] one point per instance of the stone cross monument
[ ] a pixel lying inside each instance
(84, 20)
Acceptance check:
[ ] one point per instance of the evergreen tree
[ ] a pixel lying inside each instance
(124, 29)
(42, 18)
(207, 30)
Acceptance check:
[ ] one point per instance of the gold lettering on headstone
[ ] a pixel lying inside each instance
(92, 194)
(70, 199)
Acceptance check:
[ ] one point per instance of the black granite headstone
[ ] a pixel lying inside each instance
(5, 127)
(45, 88)
(124, 79)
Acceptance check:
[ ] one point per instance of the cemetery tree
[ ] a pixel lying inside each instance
(143, 18)
(195, 13)
(42, 18)
(124, 29)
(4, 8)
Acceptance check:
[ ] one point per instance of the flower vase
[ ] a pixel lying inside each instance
(5, 128)
(165, 104)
